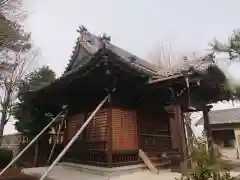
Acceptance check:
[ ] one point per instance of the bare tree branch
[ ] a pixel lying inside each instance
(15, 51)
(3, 2)
(12, 34)
(11, 80)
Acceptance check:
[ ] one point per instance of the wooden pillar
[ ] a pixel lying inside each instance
(180, 128)
(138, 131)
(208, 130)
(174, 131)
(235, 130)
(109, 137)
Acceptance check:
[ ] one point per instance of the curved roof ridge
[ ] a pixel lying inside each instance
(92, 43)
(72, 57)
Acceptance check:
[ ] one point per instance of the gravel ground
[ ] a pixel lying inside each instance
(63, 173)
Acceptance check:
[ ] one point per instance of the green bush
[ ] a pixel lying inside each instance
(205, 166)
(6, 156)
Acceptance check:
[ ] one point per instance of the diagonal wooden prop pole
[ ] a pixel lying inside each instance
(25, 149)
(74, 138)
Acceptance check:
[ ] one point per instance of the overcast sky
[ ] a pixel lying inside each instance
(140, 26)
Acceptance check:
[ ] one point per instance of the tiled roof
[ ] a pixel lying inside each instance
(199, 64)
(130, 58)
(225, 116)
(82, 43)
(92, 44)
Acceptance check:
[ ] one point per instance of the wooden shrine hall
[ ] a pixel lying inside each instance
(144, 111)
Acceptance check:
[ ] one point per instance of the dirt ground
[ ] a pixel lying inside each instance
(60, 173)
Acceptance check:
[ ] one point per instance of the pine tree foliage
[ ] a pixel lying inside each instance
(32, 118)
(232, 47)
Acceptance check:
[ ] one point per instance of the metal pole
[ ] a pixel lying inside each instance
(74, 138)
(21, 153)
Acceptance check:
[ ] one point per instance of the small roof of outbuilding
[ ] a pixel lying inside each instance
(225, 116)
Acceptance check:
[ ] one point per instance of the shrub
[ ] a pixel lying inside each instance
(205, 166)
(6, 156)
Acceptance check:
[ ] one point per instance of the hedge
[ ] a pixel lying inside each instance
(6, 156)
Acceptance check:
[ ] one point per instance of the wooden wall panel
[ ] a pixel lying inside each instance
(97, 128)
(124, 129)
(74, 124)
(154, 131)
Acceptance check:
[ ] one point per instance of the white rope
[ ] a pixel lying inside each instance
(75, 137)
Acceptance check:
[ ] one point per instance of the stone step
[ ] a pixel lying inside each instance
(165, 162)
(115, 171)
(160, 162)
(162, 154)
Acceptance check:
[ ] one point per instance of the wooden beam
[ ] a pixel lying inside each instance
(181, 137)
(109, 135)
(208, 131)
(174, 132)
(138, 131)
(173, 77)
(207, 126)
(147, 161)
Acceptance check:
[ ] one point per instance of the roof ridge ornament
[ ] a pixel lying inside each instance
(105, 38)
(84, 34)
(82, 29)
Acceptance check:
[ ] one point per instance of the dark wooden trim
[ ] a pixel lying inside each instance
(156, 135)
(181, 136)
(122, 152)
(127, 163)
(177, 135)
(119, 158)
(184, 135)
(138, 133)
(114, 152)
(86, 141)
(102, 164)
(109, 143)
(208, 130)
(174, 131)
(85, 133)
(207, 127)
